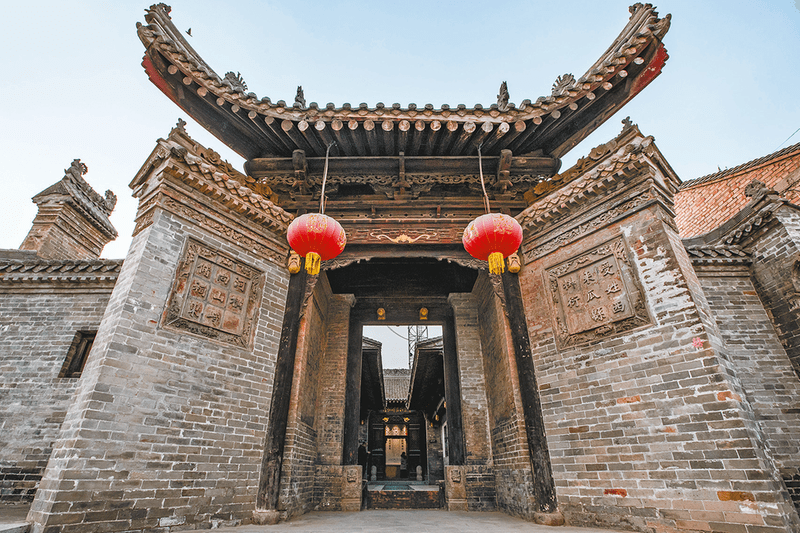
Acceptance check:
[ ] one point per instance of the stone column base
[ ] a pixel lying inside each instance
(267, 517)
(351, 488)
(556, 518)
(455, 488)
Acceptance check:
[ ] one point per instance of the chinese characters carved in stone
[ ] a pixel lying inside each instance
(214, 296)
(595, 293)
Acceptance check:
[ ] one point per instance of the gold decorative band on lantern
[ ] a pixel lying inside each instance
(496, 263)
(313, 262)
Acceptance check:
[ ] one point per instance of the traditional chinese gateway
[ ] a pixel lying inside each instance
(612, 375)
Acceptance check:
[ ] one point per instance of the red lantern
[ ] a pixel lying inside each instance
(492, 237)
(316, 236)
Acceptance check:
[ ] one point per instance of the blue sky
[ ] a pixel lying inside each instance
(74, 86)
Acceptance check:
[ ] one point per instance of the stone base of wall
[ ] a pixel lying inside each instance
(338, 488)
(514, 492)
(352, 488)
(609, 516)
(455, 489)
(267, 517)
(481, 495)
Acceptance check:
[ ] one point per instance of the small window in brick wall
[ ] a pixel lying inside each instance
(76, 356)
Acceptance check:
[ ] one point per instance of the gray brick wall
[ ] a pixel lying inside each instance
(645, 430)
(37, 328)
(511, 463)
(776, 276)
(330, 406)
(479, 479)
(771, 386)
(300, 455)
(167, 428)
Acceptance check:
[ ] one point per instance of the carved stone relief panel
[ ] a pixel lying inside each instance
(595, 294)
(214, 296)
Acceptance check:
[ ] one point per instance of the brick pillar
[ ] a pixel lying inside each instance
(334, 491)
(776, 274)
(135, 449)
(168, 422)
(299, 469)
(72, 220)
(653, 396)
(479, 478)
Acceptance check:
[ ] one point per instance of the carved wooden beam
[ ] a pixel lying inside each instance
(266, 168)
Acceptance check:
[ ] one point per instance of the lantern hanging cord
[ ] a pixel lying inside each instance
(483, 185)
(324, 179)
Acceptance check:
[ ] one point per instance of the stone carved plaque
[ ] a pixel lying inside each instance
(214, 296)
(595, 294)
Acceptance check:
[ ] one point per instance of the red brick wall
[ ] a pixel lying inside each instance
(705, 206)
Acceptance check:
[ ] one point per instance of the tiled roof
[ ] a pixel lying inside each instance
(254, 126)
(74, 189)
(214, 177)
(396, 381)
(718, 254)
(29, 270)
(740, 168)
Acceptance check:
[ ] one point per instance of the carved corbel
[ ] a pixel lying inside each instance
(294, 263)
(311, 282)
(300, 165)
(503, 179)
(401, 185)
(497, 288)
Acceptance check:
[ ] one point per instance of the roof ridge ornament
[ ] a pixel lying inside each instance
(300, 98)
(502, 98)
(756, 189)
(236, 81)
(562, 83)
(161, 5)
(75, 173)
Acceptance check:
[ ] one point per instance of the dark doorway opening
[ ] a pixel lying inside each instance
(403, 292)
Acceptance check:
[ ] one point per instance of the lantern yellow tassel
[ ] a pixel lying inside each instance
(496, 263)
(312, 263)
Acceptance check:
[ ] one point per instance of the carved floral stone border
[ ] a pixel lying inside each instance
(172, 318)
(617, 247)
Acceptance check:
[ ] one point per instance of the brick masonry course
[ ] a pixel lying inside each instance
(36, 332)
(704, 204)
(639, 435)
(166, 428)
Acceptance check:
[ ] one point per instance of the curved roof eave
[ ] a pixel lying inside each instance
(553, 123)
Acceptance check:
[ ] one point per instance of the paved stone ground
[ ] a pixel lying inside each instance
(411, 521)
(12, 518)
(372, 521)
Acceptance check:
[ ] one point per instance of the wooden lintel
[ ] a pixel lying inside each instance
(388, 165)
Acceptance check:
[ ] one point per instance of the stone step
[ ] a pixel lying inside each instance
(15, 527)
(394, 495)
(13, 518)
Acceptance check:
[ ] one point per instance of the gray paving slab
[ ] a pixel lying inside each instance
(411, 521)
(12, 520)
